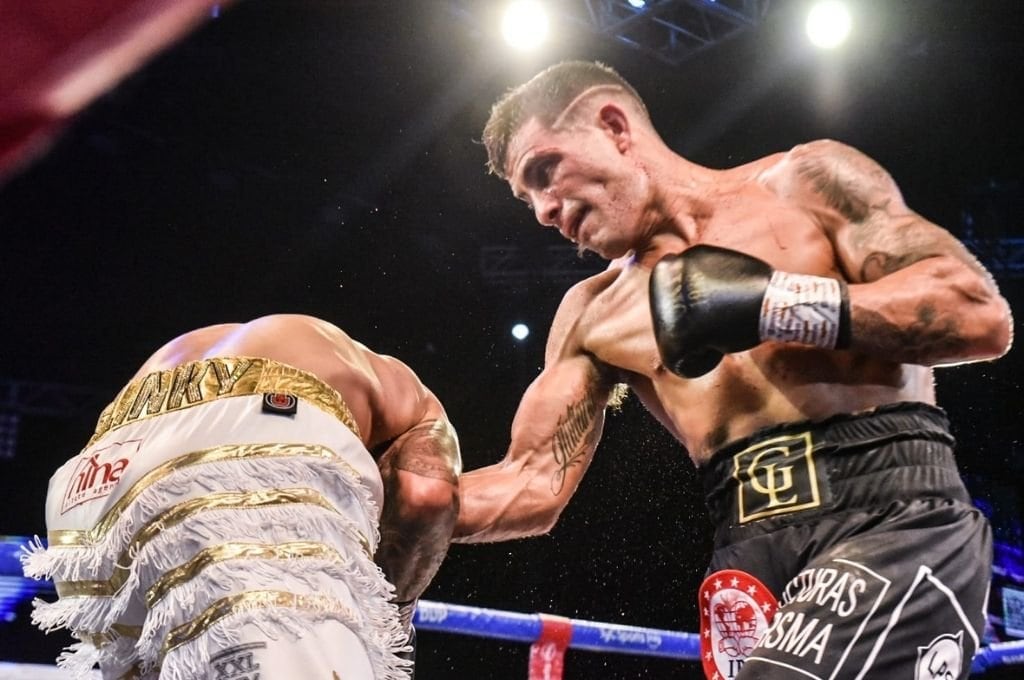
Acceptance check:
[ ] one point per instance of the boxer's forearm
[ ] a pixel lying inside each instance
(936, 311)
(504, 502)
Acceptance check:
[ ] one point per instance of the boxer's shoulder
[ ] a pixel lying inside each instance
(604, 317)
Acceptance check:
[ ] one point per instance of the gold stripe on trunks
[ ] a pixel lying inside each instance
(230, 500)
(84, 588)
(199, 382)
(233, 551)
(99, 640)
(79, 538)
(254, 599)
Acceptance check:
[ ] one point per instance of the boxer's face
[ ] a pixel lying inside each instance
(579, 180)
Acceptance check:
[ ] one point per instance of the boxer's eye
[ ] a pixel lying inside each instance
(540, 171)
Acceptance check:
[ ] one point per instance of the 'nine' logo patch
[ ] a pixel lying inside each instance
(735, 611)
(280, 404)
(97, 472)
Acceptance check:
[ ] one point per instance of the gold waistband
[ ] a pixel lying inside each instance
(203, 381)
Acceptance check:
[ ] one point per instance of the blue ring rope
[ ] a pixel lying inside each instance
(595, 636)
(460, 619)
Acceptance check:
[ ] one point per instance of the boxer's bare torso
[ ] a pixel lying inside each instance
(745, 209)
(917, 299)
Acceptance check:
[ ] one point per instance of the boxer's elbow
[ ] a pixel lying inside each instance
(545, 518)
(987, 330)
(503, 512)
(957, 313)
(996, 335)
(1000, 326)
(525, 519)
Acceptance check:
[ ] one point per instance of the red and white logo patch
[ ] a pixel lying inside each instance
(280, 403)
(735, 611)
(96, 474)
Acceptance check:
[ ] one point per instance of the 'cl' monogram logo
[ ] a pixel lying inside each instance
(775, 477)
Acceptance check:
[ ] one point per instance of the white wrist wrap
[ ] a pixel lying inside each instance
(801, 308)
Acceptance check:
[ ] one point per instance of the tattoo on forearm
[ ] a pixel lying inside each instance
(570, 434)
(933, 337)
(878, 264)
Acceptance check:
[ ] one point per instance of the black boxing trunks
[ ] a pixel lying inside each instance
(844, 549)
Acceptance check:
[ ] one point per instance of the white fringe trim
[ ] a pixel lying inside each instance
(381, 641)
(177, 544)
(329, 477)
(354, 577)
(80, 657)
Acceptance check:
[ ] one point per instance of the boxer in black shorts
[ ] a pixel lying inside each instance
(855, 539)
(795, 287)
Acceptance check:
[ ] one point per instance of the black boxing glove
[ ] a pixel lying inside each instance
(709, 301)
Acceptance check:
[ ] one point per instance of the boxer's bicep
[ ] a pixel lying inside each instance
(920, 296)
(558, 425)
(874, 232)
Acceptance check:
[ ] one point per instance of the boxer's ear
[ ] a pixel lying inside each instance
(614, 120)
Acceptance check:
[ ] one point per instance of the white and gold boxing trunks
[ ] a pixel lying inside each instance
(221, 521)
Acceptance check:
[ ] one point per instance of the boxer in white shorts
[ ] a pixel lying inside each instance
(228, 518)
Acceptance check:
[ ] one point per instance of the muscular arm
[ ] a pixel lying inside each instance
(421, 499)
(555, 431)
(916, 295)
(554, 434)
(420, 468)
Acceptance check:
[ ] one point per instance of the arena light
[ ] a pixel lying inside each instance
(525, 24)
(828, 24)
(639, 4)
(520, 331)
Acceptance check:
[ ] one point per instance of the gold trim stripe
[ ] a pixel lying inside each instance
(230, 500)
(84, 588)
(99, 640)
(233, 551)
(199, 382)
(255, 599)
(79, 538)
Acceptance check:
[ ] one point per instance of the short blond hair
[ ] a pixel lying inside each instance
(545, 97)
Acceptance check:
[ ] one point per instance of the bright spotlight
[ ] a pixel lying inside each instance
(520, 331)
(828, 24)
(525, 25)
(639, 4)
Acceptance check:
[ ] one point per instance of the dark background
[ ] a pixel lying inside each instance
(322, 157)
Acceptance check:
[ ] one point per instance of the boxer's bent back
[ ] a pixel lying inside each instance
(225, 515)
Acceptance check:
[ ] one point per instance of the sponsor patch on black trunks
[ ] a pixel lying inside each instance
(735, 611)
(822, 616)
